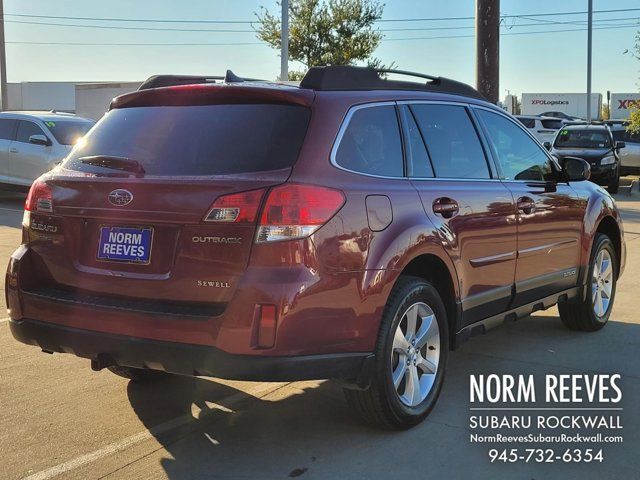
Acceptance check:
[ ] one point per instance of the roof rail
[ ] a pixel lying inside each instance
(346, 77)
(157, 81)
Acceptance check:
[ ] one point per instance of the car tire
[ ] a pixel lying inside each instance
(406, 357)
(138, 375)
(592, 312)
(614, 183)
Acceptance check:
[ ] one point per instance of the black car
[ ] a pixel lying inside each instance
(594, 144)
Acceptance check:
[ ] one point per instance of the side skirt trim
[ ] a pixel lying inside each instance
(487, 324)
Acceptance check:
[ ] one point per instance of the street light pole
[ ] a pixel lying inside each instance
(589, 43)
(284, 42)
(3, 63)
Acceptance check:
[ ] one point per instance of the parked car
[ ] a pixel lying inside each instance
(567, 119)
(543, 128)
(31, 143)
(595, 144)
(630, 155)
(352, 228)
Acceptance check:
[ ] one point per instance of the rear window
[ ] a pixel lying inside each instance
(197, 140)
(527, 122)
(68, 132)
(587, 138)
(552, 124)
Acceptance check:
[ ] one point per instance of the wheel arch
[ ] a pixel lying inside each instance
(441, 275)
(609, 227)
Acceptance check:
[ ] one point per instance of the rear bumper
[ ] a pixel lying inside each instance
(187, 359)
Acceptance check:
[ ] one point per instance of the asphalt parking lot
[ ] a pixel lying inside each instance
(61, 420)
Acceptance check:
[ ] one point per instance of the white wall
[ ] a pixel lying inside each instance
(42, 96)
(93, 99)
(623, 103)
(574, 104)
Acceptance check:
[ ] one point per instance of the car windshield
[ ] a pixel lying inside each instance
(68, 132)
(585, 138)
(196, 140)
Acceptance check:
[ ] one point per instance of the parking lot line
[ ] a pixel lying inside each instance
(261, 389)
(12, 209)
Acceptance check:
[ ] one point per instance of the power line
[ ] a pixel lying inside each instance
(209, 30)
(631, 25)
(197, 44)
(249, 22)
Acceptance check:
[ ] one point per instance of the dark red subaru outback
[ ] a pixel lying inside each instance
(355, 227)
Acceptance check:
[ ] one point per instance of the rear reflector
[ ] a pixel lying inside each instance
(294, 211)
(235, 208)
(267, 326)
(39, 198)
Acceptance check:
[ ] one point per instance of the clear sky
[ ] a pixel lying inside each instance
(536, 62)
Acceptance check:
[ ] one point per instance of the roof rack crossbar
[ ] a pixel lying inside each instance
(346, 77)
(157, 81)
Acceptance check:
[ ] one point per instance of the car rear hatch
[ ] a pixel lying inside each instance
(156, 209)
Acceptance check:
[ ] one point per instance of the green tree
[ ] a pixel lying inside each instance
(634, 117)
(326, 32)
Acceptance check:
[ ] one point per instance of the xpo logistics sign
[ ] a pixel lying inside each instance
(623, 103)
(573, 104)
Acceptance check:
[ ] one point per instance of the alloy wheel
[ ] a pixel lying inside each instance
(415, 354)
(602, 283)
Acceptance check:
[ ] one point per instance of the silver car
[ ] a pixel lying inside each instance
(630, 154)
(31, 143)
(543, 128)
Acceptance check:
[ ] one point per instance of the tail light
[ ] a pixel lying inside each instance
(235, 208)
(39, 198)
(294, 211)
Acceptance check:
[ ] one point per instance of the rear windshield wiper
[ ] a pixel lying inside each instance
(112, 162)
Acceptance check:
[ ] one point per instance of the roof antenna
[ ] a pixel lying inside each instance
(231, 77)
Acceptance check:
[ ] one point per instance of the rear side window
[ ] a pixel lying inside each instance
(371, 142)
(452, 141)
(197, 140)
(26, 129)
(7, 128)
(520, 157)
(527, 122)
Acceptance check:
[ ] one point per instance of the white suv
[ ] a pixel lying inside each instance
(31, 143)
(543, 128)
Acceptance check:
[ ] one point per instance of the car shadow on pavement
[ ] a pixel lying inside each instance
(310, 432)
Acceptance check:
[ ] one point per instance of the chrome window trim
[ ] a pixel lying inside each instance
(343, 127)
(347, 119)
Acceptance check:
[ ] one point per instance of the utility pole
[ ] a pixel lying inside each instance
(3, 63)
(589, 42)
(284, 42)
(488, 48)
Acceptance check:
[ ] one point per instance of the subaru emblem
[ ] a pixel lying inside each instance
(120, 197)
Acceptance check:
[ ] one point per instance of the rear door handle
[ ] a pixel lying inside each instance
(446, 207)
(13, 150)
(526, 205)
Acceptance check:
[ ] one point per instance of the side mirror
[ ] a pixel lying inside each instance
(547, 145)
(39, 140)
(576, 169)
(620, 145)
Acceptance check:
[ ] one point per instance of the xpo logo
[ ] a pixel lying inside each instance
(628, 103)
